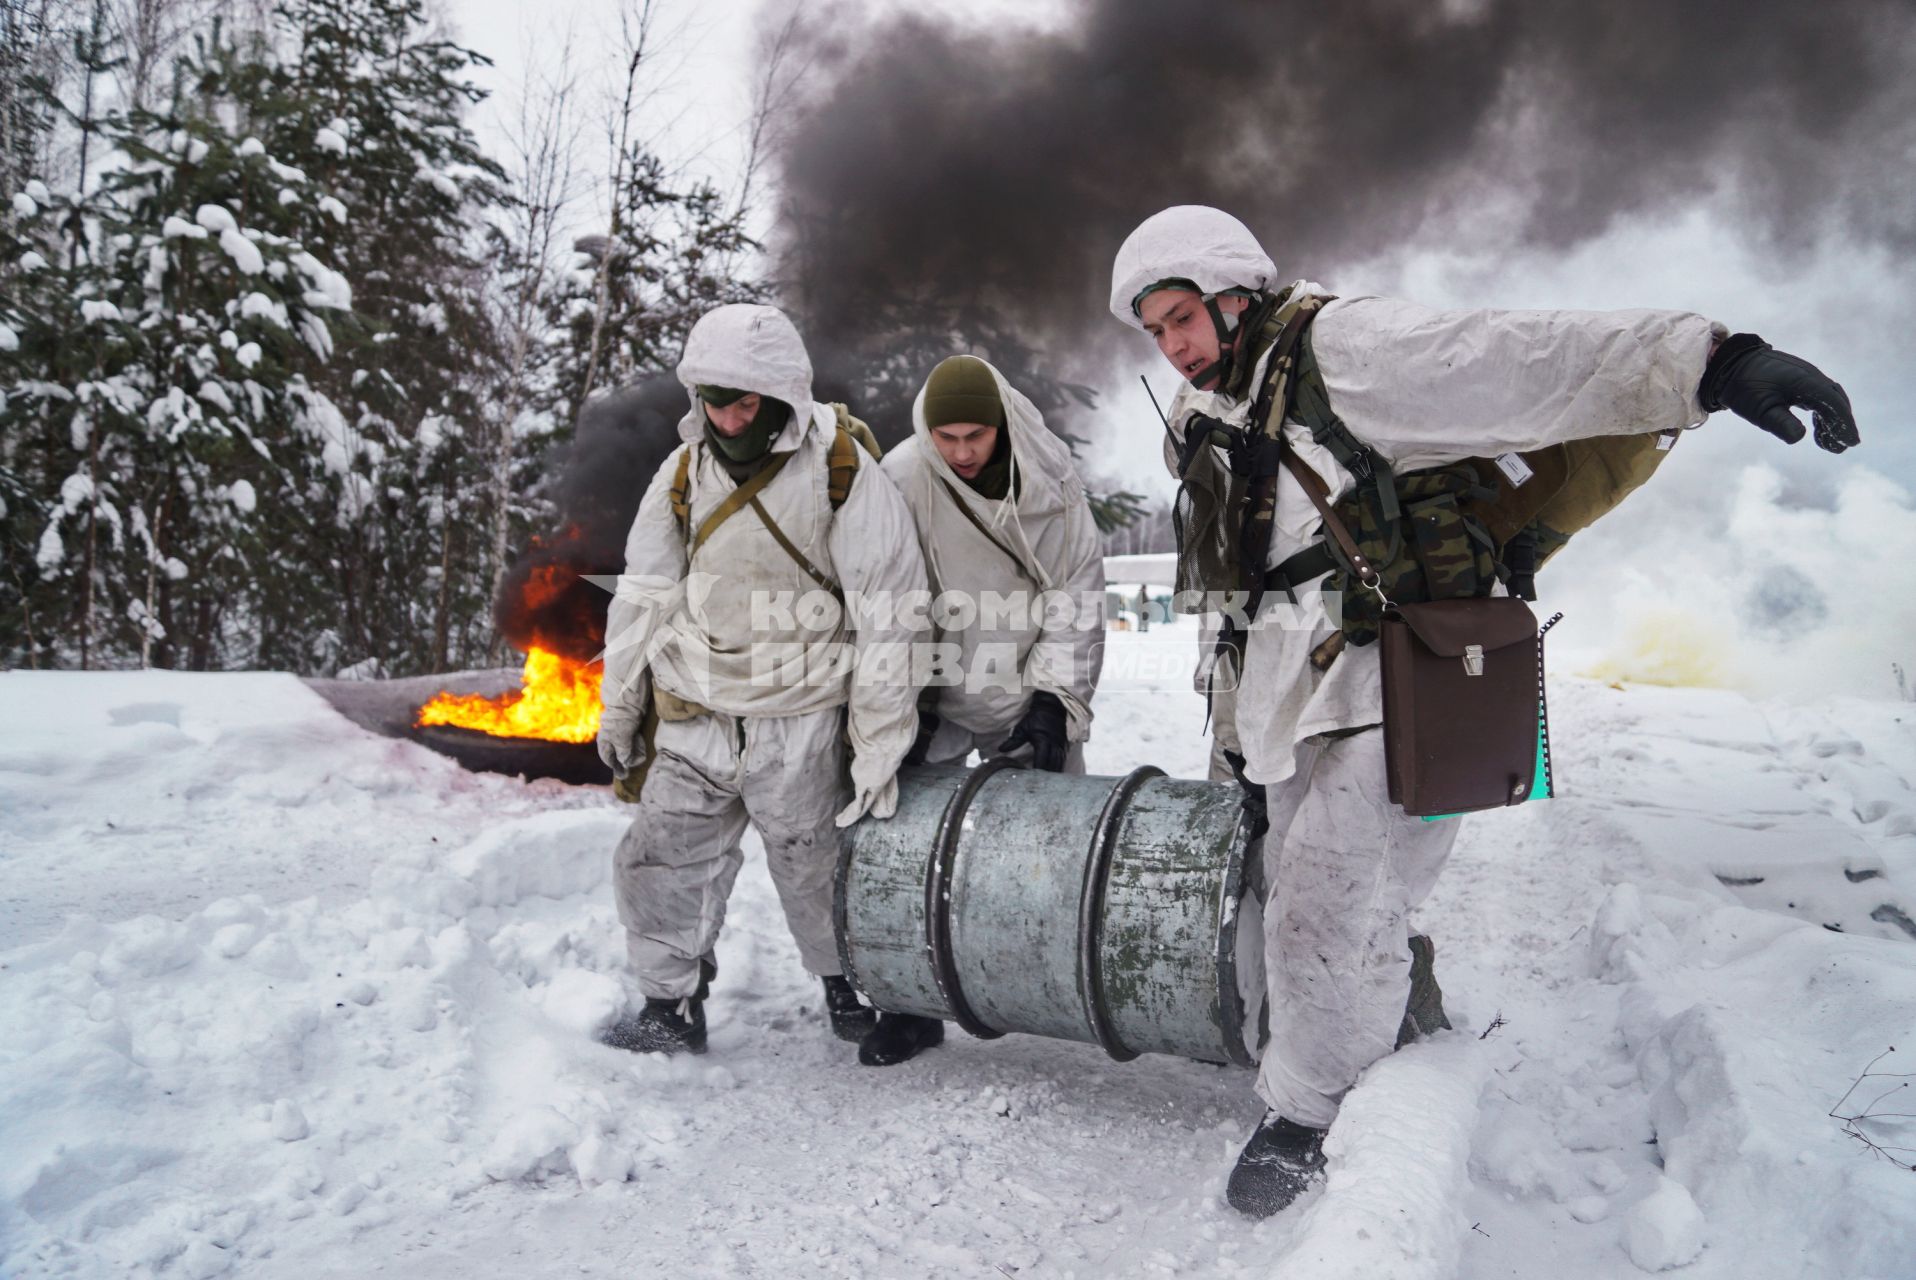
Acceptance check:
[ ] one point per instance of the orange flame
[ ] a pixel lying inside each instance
(559, 701)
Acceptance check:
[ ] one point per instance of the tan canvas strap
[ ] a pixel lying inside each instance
(778, 535)
(964, 509)
(1314, 489)
(841, 465)
(681, 483)
(737, 500)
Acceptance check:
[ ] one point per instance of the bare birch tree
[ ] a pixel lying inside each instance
(636, 29)
(541, 164)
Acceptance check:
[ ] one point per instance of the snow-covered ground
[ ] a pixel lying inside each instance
(283, 998)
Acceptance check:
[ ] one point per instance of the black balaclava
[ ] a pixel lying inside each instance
(746, 451)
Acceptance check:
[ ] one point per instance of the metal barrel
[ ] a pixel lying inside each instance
(1108, 910)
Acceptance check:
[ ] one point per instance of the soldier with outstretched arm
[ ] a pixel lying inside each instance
(1414, 388)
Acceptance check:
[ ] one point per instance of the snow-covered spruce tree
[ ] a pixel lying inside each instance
(27, 52)
(372, 106)
(161, 363)
(40, 615)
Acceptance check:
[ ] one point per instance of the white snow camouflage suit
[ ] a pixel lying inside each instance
(1422, 387)
(1042, 540)
(776, 707)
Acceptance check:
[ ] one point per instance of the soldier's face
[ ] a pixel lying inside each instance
(1181, 324)
(965, 446)
(729, 420)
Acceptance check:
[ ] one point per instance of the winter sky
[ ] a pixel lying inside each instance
(1756, 568)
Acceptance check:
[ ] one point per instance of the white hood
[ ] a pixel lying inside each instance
(1039, 460)
(1050, 532)
(1191, 242)
(749, 347)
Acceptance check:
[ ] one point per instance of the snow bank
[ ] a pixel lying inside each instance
(287, 999)
(1747, 1029)
(206, 1083)
(1397, 1169)
(1733, 961)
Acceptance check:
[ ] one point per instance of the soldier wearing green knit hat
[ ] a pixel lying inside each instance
(966, 419)
(1001, 516)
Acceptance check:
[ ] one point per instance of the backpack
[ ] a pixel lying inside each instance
(1545, 497)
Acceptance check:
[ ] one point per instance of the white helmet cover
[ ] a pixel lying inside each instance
(1191, 242)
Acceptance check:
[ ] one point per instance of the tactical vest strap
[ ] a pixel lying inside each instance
(681, 486)
(851, 438)
(842, 466)
(1306, 566)
(1263, 446)
(1353, 555)
(736, 500)
(1311, 402)
(791, 549)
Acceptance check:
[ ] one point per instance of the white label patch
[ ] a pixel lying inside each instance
(1666, 440)
(1513, 466)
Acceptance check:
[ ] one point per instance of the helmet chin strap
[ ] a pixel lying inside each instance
(1216, 375)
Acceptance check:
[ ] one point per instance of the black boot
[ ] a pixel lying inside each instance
(898, 1037)
(852, 1020)
(662, 1026)
(1277, 1165)
(1424, 1012)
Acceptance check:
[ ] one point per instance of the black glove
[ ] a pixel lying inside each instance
(1255, 802)
(1042, 729)
(1757, 382)
(927, 730)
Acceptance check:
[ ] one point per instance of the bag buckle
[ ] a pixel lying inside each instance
(1473, 659)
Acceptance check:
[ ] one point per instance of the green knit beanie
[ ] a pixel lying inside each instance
(719, 397)
(962, 389)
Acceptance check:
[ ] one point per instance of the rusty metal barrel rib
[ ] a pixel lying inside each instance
(1111, 911)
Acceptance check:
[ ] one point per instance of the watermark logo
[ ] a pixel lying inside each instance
(979, 643)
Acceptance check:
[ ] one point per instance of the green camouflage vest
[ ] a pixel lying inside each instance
(1415, 528)
(1420, 530)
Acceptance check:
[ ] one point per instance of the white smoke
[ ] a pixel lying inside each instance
(1719, 576)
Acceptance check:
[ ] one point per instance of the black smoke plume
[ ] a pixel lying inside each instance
(621, 441)
(993, 175)
(947, 190)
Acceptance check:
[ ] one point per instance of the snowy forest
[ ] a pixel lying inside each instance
(289, 362)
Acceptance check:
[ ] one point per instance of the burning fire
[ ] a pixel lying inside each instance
(560, 701)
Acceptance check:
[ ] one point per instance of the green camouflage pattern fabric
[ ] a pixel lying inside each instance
(1434, 550)
(1206, 539)
(1284, 328)
(1223, 520)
